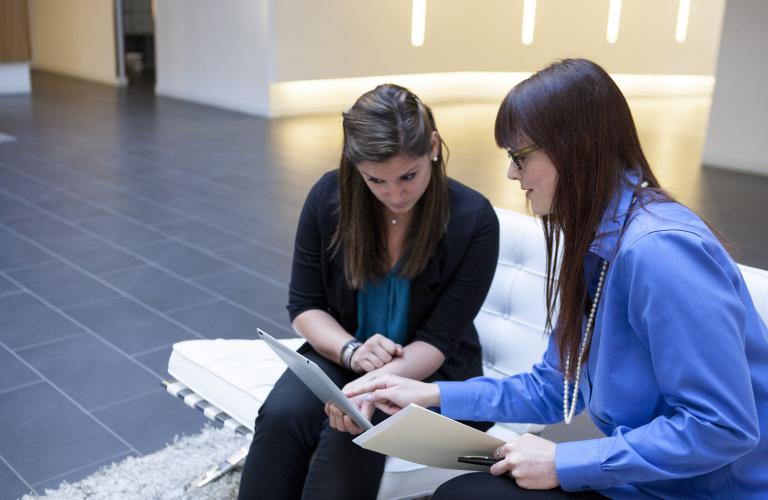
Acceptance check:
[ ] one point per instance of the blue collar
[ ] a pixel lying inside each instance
(609, 230)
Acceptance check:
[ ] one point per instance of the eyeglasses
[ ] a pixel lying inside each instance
(521, 154)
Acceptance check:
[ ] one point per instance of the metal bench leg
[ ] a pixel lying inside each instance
(192, 400)
(229, 464)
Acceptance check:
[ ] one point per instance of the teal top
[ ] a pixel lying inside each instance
(382, 307)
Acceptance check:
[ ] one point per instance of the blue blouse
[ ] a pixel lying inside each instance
(382, 307)
(677, 375)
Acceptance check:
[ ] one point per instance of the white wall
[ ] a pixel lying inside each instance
(74, 37)
(738, 122)
(214, 52)
(277, 57)
(351, 38)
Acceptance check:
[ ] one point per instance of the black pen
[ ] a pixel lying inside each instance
(478, 460)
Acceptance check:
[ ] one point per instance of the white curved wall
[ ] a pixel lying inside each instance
(277, 57)
(737, 123)
(351, 38)
(214, 52)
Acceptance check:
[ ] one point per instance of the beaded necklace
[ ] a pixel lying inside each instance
(569, 410)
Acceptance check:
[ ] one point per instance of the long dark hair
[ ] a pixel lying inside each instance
(385, 122)
(576, 114)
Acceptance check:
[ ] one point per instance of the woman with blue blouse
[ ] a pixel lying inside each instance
(391, 265)
(656, 334)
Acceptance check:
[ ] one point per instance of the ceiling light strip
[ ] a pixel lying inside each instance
(683, 11)
(614, 16)
(529, 21)
(418, 22)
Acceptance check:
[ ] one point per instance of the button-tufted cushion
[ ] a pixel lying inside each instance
(237, 375)
(757, 282)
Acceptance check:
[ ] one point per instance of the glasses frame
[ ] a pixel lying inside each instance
(521, 154)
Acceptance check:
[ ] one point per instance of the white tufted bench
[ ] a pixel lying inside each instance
(229, 379)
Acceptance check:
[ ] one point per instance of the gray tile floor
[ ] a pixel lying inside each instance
(128, 223)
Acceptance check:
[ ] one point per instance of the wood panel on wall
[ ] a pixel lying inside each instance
(14, 31)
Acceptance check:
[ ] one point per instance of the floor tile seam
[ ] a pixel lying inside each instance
(164, 184)
(126, 295)
(44, 343)
(83, 467)
(57, 310)
(34, 180)
(10, 292)
(236, 245)
(171, 312)
(79, 197)
(244, 244)
(86, 302)
(16, 473)
(145, 244)
(157, 390)
(219, 182)
(89, 220)
(22, 386)
(241, 268)
(25, 267)
(244, 309)
(15, 217)
(164, 163)
(170, 237)
(25, 290)
(158, 229)
(72, 401)
(131, 267)
(95, 335)
(207, 180)
(113, 272)
(100, 280)
(141, 257)
(156, 349)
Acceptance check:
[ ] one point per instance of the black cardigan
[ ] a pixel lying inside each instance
(444, 298)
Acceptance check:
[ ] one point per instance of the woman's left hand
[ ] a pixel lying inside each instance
(530, 460)
(338, 420)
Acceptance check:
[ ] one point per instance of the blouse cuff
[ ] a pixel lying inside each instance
(578, 465)
(456, 401)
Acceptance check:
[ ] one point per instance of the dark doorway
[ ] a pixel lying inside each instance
(139, 41)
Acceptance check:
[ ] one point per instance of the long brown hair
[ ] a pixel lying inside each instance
(576, 114)
(385, 122)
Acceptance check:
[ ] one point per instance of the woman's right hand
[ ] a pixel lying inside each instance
(376, 352)
(391, 393)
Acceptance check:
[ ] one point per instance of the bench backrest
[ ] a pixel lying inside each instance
(511, 321)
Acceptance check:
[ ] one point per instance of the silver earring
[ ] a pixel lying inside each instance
(435, 158)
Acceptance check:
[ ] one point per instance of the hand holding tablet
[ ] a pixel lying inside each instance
(315, 379)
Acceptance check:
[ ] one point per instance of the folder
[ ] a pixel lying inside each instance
(422, 436)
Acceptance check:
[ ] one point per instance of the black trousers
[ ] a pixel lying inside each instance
(295, 454)
(484, 485)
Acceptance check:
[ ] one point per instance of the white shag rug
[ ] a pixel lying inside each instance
(164, 475)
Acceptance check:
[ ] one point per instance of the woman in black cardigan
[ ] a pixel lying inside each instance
(391, 265)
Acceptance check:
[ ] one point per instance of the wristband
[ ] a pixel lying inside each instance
(345, 356)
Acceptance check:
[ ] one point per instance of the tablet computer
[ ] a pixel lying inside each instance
(315, 378)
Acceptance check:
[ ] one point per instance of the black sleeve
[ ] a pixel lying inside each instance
(306, 289)
(461, 299)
